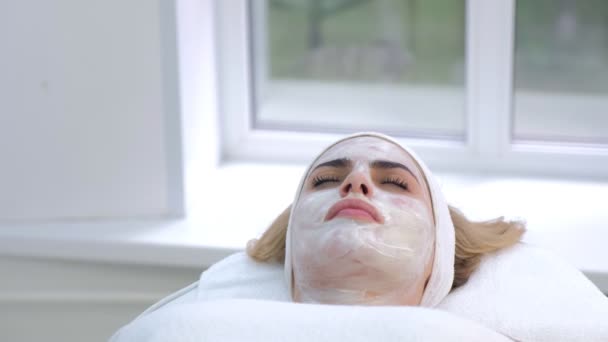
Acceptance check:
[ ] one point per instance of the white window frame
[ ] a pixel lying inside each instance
(490, 27)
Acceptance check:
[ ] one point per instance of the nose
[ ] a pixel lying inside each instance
(358, 183)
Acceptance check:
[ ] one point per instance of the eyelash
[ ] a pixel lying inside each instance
(396, 181)
(319, 180)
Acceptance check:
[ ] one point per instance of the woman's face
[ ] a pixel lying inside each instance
(363, 228)
(369, 167)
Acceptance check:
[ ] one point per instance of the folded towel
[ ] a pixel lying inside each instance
(251, 320)
(532, 295)
(523, 292)
(239, 276)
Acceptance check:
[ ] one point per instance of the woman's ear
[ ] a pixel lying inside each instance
(271, 246)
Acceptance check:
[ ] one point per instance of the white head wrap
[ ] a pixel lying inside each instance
(442, 275)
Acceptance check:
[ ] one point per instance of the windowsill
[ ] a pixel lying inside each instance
(150, 242)
(565, 216)
(226, 215)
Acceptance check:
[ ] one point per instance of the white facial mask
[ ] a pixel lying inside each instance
(349, 261)
(306, 233)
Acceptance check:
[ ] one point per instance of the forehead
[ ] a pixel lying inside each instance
(367, 149)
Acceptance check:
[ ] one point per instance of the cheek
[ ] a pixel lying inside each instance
(416, 205)
(405, 203)
(312, 207)
(401, 202)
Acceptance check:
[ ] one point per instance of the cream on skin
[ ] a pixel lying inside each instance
(362, 229)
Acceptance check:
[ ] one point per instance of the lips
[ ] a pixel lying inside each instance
(356, 209)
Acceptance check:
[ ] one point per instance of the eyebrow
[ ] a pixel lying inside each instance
(342, 162)
(385, 164)
(376, 164)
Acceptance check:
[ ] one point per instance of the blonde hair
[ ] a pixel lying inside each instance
(473, 241)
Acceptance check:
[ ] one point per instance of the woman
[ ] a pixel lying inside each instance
(369, 225)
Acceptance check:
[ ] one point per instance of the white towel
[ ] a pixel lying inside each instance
(532, 295)
(251, 320)
(523, 292)
(239, 276)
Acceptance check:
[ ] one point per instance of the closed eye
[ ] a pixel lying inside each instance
(320, 180)
(396, 181)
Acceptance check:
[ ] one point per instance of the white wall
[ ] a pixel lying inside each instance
(89, 129)
(89, 117)
(55, 300)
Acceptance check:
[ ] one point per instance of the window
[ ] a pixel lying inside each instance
(470, 85)
(347, 66)
(561, 71)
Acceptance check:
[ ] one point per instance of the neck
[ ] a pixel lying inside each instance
(407, 297)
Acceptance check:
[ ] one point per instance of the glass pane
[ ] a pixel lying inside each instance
(561, 71)
(395, 66)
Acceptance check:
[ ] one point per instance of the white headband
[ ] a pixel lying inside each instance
(442, 276)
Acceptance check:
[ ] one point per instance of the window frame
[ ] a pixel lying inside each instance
(488, 147)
